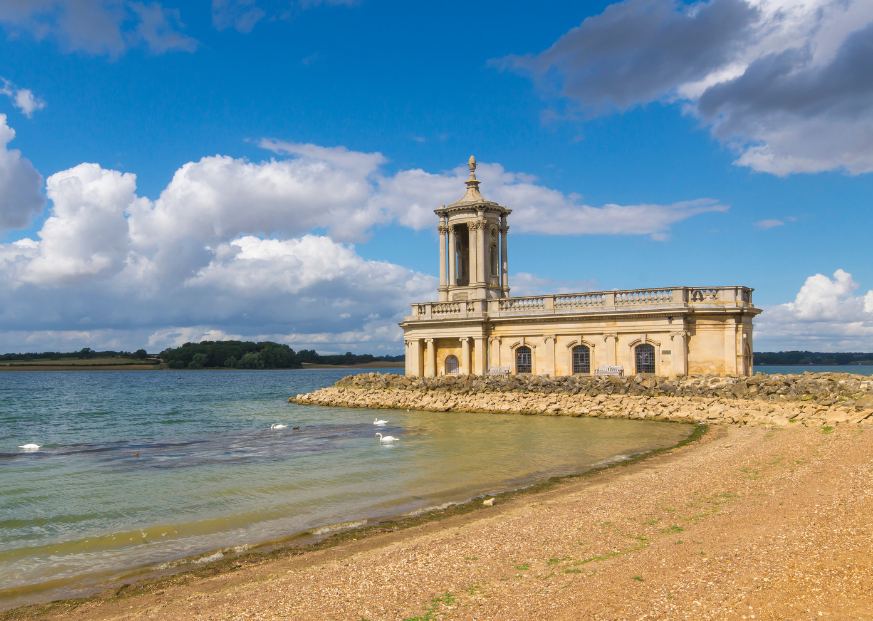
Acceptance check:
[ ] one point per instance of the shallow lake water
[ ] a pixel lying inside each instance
(139, 469)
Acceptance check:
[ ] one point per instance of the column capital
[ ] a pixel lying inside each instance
(443, 229)
(549, 337)
(504, 229)
(464, 339)
(428, 340)
(610, 335)
(683, 333)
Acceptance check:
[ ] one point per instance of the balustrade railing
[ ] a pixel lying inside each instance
(588, 302)
(643, 298)
(521, 304)
(579, 300)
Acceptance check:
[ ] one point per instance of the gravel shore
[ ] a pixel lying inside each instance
(748, 523)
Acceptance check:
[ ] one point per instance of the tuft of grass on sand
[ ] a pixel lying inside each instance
(433, 609)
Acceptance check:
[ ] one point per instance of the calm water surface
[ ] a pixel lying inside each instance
(140, 469)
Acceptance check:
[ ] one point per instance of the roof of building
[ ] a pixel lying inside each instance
(472, 197)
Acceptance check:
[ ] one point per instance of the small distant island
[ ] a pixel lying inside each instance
(203, 355)
(262, 355)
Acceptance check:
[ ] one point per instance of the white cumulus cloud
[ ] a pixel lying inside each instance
(20, 184)
(234, 248)
(826, 315)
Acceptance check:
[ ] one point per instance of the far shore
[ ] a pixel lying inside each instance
(85, 365)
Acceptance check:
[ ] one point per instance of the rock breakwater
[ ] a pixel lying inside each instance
(812, 399)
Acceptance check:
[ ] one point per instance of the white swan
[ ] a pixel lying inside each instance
(29, 447)
(379, 421)
(387, 438)
(278, 426)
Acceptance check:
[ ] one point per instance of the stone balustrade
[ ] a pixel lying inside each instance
(604, 301)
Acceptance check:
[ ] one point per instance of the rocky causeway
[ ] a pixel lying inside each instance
(810, 399)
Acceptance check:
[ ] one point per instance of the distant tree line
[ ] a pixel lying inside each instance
(811, 357)
(348, 358)
(250, 355)
(84, 354)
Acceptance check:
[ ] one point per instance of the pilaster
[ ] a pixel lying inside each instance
(466, 363)
(730, 346)
(430, 365)
(611, 341)
(550, 369)
(478, 355)
(680, 352)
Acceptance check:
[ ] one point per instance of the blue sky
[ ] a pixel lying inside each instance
(268, 168)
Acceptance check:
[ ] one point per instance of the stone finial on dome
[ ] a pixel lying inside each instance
(472, 165)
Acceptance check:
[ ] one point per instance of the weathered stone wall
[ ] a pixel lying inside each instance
(811, 399)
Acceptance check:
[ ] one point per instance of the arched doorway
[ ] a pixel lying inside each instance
(452, 365)
(523, 362)
(581, 360)
(644, 356)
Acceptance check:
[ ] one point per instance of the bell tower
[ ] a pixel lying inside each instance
(473, 252)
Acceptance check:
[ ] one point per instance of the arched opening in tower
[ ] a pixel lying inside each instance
(462, 248)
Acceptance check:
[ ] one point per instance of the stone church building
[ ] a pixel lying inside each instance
(477, 328)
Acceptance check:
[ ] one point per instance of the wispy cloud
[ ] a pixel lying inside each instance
(768, 224)
(99, 27)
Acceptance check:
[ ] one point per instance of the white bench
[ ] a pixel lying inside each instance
(609, 370)
(497, 371)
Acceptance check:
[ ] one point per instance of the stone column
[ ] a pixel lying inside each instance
(443, 229)
(478, 355)
(472, 269)
(611, 340)
(504, 260)
(466, 366)
(430, 366)
(453, 253)
(413, 358)
(481, 250)
(680, 355)
(730, 346)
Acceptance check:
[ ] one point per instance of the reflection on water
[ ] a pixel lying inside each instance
(138, 469)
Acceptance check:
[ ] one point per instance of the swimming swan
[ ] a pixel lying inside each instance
(380, 422)
(29, 447)
(387, 438)
(278, 426)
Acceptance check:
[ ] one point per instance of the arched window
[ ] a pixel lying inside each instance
(523, 360)
(581, 359)
(452, 365)
(644, 355)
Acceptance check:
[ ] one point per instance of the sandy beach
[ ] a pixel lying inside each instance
(746, 523)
